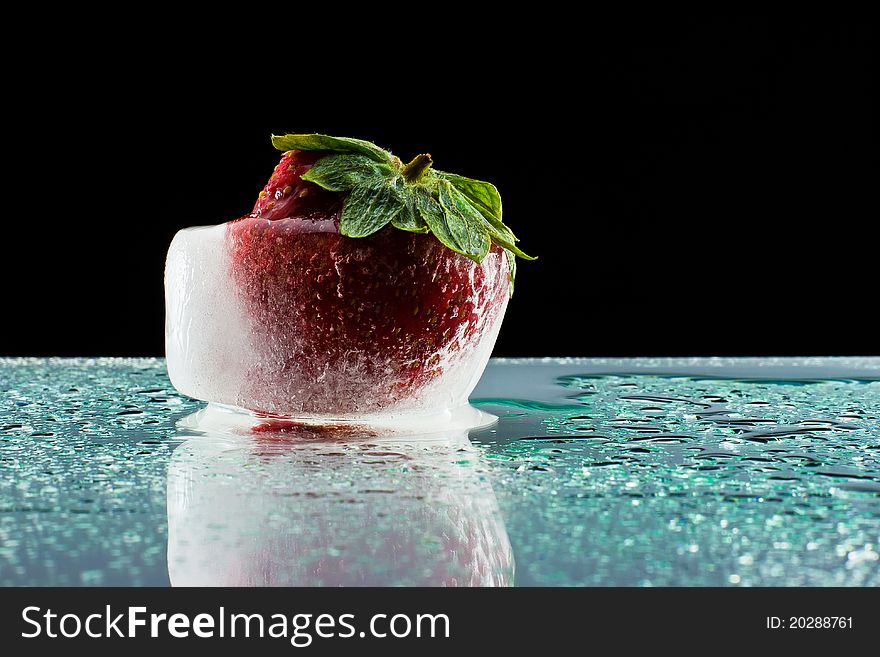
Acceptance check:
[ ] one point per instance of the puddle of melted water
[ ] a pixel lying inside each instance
(692, 480)
(722, 473)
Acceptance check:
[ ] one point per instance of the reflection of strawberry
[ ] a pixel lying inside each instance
(343, 325)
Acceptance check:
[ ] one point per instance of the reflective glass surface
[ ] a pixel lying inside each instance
(635, 472)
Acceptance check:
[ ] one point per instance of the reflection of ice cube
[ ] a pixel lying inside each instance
(374, 512)
(216, 352)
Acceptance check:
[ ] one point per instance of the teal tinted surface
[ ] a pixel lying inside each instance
(629, 472)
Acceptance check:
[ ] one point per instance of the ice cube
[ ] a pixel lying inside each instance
(288, 317)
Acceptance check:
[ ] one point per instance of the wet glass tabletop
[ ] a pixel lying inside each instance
(628, 472)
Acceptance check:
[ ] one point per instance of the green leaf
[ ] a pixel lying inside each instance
(465, 223)
(499, 230)
(487, 202)
(369, 209)
(315, 142)
(499, 233)
(482, 194)
(409, 218)
(435, 217)
(340, 173)
(503, 240)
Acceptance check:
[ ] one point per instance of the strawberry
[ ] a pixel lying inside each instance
(287, 195)
(365, 280)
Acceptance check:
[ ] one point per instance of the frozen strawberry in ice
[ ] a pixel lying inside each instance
(358, 286)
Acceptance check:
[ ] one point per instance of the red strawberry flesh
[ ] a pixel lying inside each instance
(348, 326)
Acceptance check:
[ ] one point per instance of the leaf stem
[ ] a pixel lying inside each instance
(416, 169)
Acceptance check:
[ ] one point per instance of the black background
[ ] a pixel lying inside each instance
(690, 186)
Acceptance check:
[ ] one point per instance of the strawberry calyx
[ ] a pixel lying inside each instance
(375, 189)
